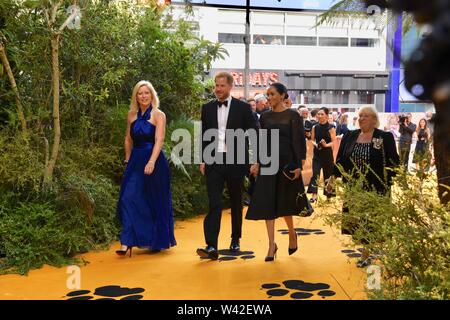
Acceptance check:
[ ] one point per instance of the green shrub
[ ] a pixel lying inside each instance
(408, 232)
(52, 228)
(21, 162)
(35, 233)
(95, 200)
(78, 211)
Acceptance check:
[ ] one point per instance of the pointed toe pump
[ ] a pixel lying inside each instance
(272, 258)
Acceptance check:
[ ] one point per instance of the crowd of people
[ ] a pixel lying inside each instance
(405, 132)
(145, 204)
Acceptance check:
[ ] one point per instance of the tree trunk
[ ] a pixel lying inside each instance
(442, 148)
(12, 81)
(48, 173)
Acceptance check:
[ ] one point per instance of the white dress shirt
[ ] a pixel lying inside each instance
(222, 118)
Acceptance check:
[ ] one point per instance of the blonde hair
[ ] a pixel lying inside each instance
(371, 110)
(155, 100)
(343, 119)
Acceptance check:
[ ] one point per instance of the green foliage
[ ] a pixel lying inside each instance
(343, 10)
(51, 228)
(21, 163)
(408, 232)
(93, 198)
(35, 233)
(188, 186)
(117, 45)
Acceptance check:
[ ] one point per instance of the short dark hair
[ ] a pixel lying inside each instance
(325, 109)
(314, 112)
(301, 106)
(281, 89)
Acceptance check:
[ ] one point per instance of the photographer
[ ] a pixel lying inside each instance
(307, 124)
(407, 129)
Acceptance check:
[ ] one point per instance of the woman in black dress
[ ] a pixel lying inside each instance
(280, 194)
(422, 155)
(323, 135)
(367, 147)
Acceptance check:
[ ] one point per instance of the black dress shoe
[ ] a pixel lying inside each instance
(208, 253)
(235, 246)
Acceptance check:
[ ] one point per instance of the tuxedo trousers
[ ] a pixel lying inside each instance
(216, 177)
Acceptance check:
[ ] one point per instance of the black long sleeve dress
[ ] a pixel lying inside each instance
(275, 195)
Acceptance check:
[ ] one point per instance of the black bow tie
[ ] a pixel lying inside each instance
(222, 103)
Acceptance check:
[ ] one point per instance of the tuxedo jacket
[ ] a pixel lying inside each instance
(240, 116)
(382, 156)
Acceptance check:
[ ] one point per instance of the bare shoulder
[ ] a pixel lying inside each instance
(159, 115)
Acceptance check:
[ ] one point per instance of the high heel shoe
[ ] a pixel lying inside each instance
(124, 252)
(271, 258)
(292, 250)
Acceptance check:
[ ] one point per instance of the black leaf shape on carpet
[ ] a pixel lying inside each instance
(111, 292)
(352, 253)
(117, 291)
(228, 255)
(78, 293)
(297, 289)
(302, 231)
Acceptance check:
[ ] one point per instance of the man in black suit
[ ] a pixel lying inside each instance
(223, 163)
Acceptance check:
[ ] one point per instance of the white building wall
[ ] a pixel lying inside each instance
(212, 21)
(304, 58)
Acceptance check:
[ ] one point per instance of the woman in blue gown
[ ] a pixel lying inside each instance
(145, 200)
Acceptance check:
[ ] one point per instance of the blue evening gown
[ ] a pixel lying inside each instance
(145, 201)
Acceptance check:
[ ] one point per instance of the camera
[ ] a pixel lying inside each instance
(308, 126)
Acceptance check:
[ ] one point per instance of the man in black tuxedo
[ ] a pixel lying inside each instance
(221, 117)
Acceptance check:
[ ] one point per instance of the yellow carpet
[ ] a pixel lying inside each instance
(318, 270)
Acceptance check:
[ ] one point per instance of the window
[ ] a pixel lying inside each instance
(268, 39)
(333, 42)
(363, 42)
(312, 97)
(231, 38)
(301, 41)
(335, 97)
(366, 97)
(362, 97)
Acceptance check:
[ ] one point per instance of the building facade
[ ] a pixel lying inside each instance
(340, 65)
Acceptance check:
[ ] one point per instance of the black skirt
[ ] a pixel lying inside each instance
(276, 196)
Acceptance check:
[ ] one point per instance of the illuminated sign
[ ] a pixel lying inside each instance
(257, 79)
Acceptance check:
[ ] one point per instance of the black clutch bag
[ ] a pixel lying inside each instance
(287, 170)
